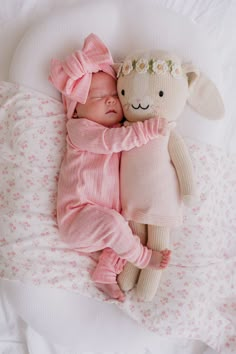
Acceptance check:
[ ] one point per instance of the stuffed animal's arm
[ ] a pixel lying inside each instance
(182, 162)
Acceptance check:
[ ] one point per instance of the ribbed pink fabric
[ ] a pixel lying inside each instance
(88, 206)
(73, 76)
(108, 267)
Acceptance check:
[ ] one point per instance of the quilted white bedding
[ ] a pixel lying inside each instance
(197, 298)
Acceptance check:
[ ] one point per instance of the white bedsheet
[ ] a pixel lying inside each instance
(23, 339)
(16, 336)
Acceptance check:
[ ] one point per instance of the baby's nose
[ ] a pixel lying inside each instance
(110, 100)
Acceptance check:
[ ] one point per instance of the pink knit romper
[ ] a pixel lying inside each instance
(88, 203)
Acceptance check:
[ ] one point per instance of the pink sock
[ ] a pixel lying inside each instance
(109, 265)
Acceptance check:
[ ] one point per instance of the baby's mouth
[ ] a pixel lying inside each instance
(111, 111)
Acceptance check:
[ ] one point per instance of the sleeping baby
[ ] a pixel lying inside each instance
(88, 203)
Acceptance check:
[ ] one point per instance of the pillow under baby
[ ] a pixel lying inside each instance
(158, 177)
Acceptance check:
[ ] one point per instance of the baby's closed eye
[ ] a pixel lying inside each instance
(97, 97)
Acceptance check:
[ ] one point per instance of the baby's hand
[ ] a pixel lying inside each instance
(156, 126)
(127, 123)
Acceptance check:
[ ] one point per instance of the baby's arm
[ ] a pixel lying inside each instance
(90, 136)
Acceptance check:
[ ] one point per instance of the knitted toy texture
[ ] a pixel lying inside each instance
(158, 178)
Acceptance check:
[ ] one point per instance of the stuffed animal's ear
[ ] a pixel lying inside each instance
(192, 73)
(204, 96)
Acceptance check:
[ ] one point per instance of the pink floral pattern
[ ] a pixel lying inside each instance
(197, 296)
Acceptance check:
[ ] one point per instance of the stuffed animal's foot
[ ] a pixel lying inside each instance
(112, 290)
(159, 259)
(148, 283)
(129, 277)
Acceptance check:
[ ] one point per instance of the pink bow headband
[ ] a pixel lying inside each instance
(73, 76)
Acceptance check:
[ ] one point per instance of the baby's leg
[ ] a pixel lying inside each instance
(93, 228)
(105, 274)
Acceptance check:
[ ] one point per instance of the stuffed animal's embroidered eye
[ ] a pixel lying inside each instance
(161, 93)
(123, 92)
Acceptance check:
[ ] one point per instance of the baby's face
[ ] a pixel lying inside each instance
(102, 105)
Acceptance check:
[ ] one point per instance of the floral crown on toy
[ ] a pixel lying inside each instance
(151, 66)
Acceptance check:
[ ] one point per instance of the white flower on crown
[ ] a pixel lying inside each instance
(152, 66)
(142, 66)
(127, 67)
(176, 70)
(160, 66)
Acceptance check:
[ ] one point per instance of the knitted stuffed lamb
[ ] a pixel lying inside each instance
(157, 178)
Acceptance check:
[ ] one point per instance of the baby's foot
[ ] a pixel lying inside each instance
(159, 259)
(112, 290)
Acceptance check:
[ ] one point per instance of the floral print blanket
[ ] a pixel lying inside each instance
(197, 295)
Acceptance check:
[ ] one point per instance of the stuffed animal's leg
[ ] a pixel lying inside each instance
(129, 276)
(149, 279)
